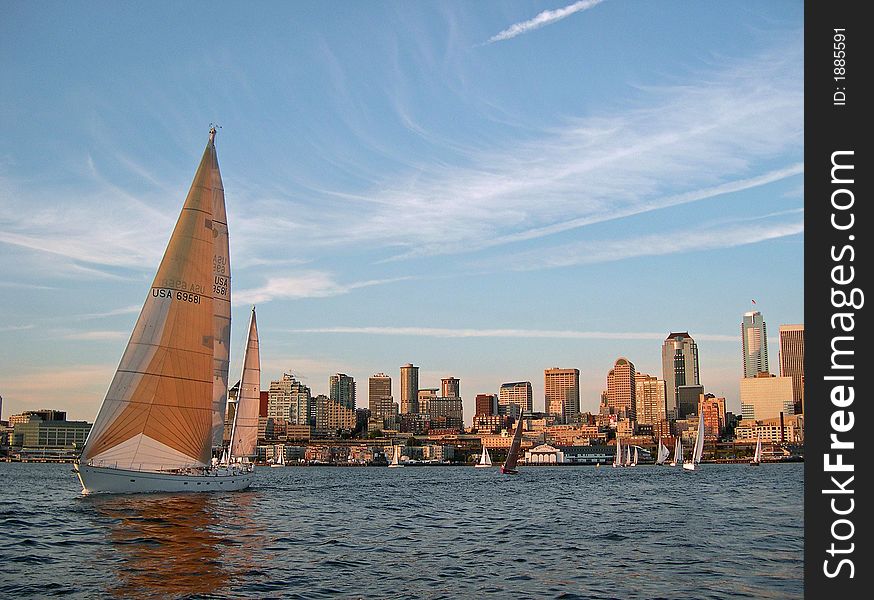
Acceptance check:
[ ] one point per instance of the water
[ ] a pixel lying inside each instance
(724, 531)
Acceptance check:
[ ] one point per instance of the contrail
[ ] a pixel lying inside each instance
(544, 18)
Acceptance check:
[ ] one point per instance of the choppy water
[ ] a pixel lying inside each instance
(725, 531)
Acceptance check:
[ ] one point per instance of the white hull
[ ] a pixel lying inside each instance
(125, 481)
(689, 466)
(481, 466)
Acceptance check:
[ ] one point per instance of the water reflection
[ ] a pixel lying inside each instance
(172, 546)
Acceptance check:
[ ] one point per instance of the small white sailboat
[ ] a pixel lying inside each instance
(634, 459)
(698, 449)
(164, 408)
(678, 453)
(396, 458)
(279, 457)
(485, 460)
(617, 456)
(662, 453)
(757, 456)
(627, 462)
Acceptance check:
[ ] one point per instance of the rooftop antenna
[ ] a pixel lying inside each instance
(212, 130)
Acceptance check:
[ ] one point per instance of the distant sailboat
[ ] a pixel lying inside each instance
(634, 460)
(757, 456)
(164, 408)
(678, 453)
(485, 460)
(509, 466)
(627, 462)
(396, 459)
(279, 457)
(617, 457)
(698, 449)
(662, 453)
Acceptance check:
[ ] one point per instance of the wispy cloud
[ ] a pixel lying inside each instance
(124, 310)
(601, 251)
(97, 336)
(441, 332)
(547, 17)
(305, 284)
(15, 327)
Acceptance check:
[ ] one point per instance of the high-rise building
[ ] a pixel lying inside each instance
(342, 390)
(450, 388)
(562, 393)
(621, 389)
(679, 367)
(688, 397)
(713, 409)
(754, 336)
(290, 400)
(409, 389)
(650, 398)
(766, 396)
(424, 398)
(486, 405)
(383, 408)
(515, 397)
(792, 360)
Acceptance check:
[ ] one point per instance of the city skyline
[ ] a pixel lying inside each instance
(439, 184)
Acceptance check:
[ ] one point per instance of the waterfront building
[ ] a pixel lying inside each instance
(713, 409)
(792, 361)
(544, 454)
(650, 396)
(409, 389)
(621, 389)
(679, 367)
(450, 387)
(562, 393)
(790, 431)
(486, 404)
(342, 389)
(766, 396)
(41, 438)
(514, 397)
(687, 400)
(43, 414)
(289, 400)
(754, 338)
(489, 423)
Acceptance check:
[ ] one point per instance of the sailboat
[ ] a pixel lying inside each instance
(244, 429)
(509, 466)
(662, 453)
(627, 462)
(485, 460)
(158, 422)
(396, 459)
(757, 456)
(279, 454)
(617, 457)
(698, 449)
(634, 460)
(678, 453)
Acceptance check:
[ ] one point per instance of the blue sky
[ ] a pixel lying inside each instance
(485, 189)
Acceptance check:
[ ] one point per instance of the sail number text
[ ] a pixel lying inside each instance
(181, 296)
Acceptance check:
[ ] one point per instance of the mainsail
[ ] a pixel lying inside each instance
(158, 412)
(698, 452)
(617, 456)
(663, 453)
(244, 434)
(515, 445)
(221, 288)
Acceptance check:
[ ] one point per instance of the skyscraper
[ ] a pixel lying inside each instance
(650, 398)
(409, 389)
(792, 360)
(621, 389)
(450, 388)
(486, 405)
(562, 393)
(382, 406)
(289, 400)
(342, 390)
(514, 397)
(755, 344)
(679, 367)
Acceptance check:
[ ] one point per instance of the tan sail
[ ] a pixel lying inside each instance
(221, 289)
(158, 411)
(244, 436)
